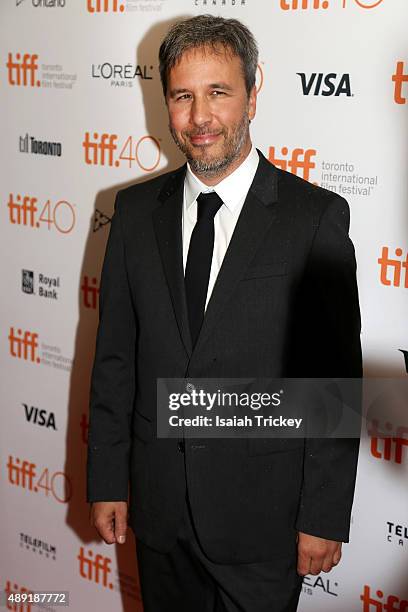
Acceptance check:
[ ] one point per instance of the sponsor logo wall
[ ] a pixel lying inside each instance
(84, 117)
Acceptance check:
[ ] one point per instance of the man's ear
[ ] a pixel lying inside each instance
(252, 103)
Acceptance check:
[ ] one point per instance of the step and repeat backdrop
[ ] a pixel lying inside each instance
(82, 116)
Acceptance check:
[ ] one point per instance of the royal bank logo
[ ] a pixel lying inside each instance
(27, 281)
(40, 547)
(330, 84)
(121, 75)
(397, 534)
(48, 286)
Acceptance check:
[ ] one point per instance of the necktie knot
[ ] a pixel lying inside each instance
(208, 205)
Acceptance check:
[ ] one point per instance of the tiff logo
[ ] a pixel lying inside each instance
(22, 211)
(95, 151)
(21, 474)
(95, 569)
(90, 292)
(294, 5)
(399, 78)
(300, 160)
(11, 590)
(388, 447)
(386, 263)
(332, 84)
(376, 605)
(23, 71)
(23, 345)
(99, 6)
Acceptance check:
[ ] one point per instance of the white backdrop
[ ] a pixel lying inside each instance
(82, 116)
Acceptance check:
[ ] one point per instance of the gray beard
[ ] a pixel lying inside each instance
(211, 169)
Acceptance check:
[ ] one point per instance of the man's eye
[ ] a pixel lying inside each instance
(217, 93)
(184, 97)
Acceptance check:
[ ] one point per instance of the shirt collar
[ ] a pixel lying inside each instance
(229, 189)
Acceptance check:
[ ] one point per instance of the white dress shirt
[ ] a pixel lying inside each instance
(232, 191)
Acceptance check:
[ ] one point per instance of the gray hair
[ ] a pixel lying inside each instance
(213, 32)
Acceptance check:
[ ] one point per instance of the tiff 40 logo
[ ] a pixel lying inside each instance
(24, 474)
(392, 603)
(25, 210)
(105, 150)
(287, 5)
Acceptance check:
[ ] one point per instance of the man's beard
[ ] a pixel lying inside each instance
(231, 149)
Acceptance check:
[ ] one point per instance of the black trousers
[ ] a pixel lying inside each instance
(185, 580)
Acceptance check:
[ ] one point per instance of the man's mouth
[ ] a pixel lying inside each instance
(204, 139)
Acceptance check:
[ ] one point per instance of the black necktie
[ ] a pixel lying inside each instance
(199, 259)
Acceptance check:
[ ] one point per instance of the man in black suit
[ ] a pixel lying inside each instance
(227, 267)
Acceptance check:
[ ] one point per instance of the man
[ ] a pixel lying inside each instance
(227, 267)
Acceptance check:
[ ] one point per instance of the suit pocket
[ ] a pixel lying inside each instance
(276, 268)
(142, 428)
(265, 446)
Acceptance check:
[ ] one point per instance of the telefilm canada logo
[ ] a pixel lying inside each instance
(40, 547)
(47, 286)
(38, 146)
(321, 84)
(206, 4)
(29, 70)
(397, 533)
(121, 75)
(97, 7)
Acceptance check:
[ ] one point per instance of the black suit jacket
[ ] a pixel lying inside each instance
(285, 303)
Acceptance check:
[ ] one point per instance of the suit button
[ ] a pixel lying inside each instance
(180, 446)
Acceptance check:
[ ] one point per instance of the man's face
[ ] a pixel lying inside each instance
(209, 111)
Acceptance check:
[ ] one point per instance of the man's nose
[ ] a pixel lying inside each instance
(200, 111)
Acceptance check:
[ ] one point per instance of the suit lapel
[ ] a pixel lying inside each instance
(257, 215)
(167, 221)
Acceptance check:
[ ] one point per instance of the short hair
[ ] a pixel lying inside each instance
(213, 32)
